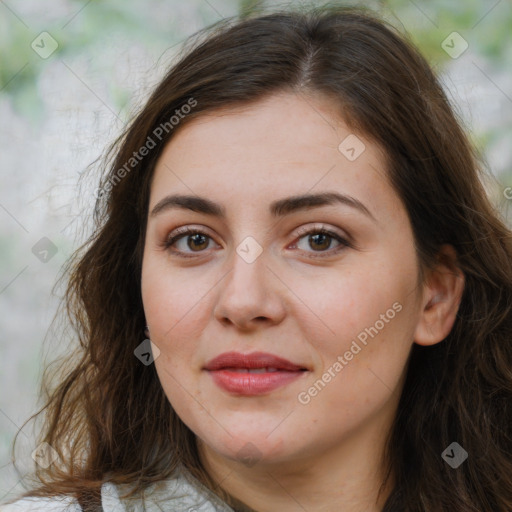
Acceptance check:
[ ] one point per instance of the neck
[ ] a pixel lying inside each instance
(347, 478)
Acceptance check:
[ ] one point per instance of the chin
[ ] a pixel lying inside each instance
(249, 446)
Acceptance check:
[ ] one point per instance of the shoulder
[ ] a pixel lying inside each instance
(183, 491)
(109, 501)
(33, 504)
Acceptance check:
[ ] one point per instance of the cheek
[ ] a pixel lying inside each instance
(174, 303)
(362, 327)
(338, 308)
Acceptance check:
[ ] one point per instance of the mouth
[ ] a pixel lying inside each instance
(252, 374)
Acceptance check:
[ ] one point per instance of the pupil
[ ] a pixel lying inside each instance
(318, 239)
(198, 241)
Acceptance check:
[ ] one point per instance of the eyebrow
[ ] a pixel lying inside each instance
(278, 208)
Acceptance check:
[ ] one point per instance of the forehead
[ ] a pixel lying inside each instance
(286, 144)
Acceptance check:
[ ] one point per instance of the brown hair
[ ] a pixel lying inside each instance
(457, 390)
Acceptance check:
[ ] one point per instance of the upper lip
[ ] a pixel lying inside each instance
(251, 361)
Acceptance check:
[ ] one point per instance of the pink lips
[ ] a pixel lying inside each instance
(252, 374)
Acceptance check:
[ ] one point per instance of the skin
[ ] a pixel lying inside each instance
(322, 455)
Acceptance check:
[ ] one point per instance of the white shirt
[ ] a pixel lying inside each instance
(181, 494)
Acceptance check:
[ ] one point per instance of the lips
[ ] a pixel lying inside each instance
(252, 374)
(236, 360)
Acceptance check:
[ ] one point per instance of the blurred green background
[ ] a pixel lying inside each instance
(60, 108)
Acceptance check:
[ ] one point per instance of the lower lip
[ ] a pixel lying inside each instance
(251, 384)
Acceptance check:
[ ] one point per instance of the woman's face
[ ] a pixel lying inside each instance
(340, 308)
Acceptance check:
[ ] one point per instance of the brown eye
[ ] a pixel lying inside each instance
(197, 241)
(188, 241)
(320, 241)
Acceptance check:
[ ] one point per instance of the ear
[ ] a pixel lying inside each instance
(442, 294)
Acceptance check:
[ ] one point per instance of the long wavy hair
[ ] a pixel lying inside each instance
(97, 415)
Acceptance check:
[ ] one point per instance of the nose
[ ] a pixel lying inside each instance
(250, 295)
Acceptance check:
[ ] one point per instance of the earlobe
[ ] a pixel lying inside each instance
(442, 295)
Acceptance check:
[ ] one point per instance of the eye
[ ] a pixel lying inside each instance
(320, 240)
(187, 238)
(188, 242)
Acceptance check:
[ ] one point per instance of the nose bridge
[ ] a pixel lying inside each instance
(248, 291)
(246, 278)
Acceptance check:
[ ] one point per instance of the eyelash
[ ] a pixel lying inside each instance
(184, 231)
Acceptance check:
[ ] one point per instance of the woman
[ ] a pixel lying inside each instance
(296, 221)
